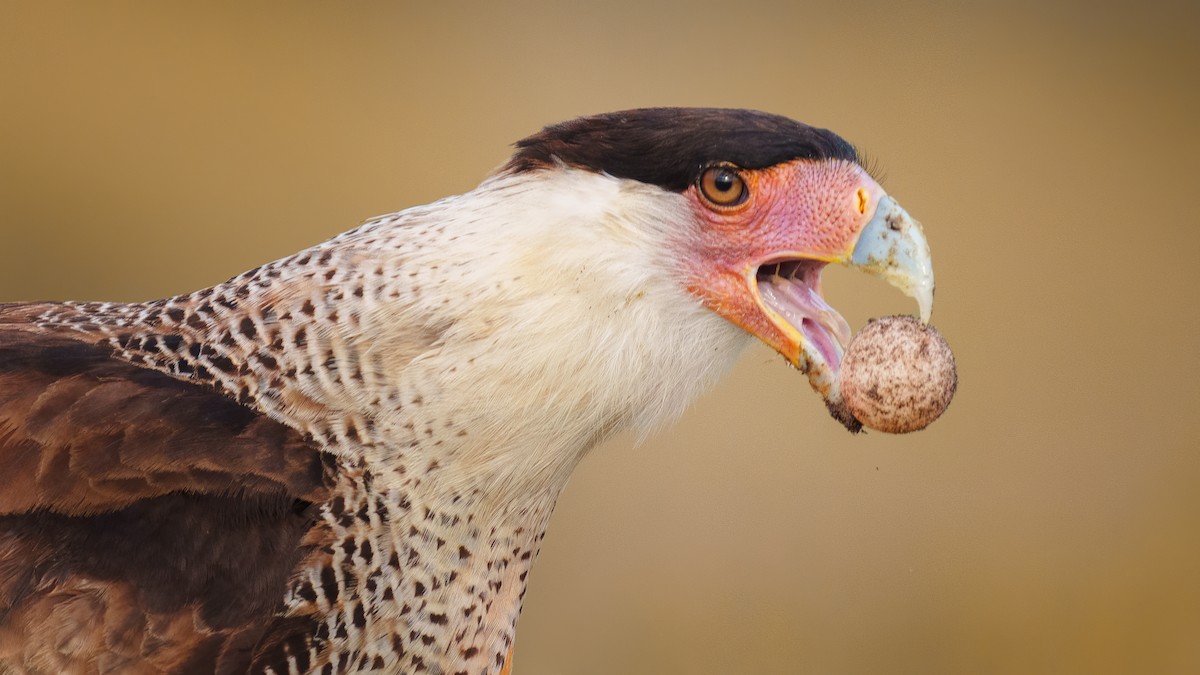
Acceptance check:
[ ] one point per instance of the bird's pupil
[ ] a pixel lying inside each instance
(724, 182)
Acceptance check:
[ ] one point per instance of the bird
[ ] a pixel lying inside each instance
(344, 461)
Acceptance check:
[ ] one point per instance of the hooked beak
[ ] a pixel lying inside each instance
(892, 246)
(811, 334)
(759, 264)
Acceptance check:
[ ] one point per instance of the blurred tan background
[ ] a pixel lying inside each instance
(1049, 523)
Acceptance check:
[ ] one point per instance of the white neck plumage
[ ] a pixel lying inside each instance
(459, 449)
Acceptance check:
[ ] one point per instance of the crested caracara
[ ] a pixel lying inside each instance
(344, 460)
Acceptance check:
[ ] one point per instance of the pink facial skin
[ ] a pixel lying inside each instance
(803, 209)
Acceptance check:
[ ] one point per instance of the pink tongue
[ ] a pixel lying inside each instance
(801, 306)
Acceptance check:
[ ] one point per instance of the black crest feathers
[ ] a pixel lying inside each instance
(670, 147)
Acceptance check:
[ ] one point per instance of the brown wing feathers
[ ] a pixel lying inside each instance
(146, 523)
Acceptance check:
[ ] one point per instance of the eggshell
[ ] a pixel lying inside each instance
(898, 375)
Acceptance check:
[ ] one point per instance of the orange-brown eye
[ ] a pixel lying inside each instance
(723, 186)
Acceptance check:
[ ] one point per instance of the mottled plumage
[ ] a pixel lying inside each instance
(345, 460)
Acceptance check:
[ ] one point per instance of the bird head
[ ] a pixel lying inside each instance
(772, 202)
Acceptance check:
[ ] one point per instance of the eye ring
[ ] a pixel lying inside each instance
(723, 186)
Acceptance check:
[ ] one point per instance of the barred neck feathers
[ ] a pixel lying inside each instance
(458, 359)
(570, 326)
(357, 338)
(401, 334)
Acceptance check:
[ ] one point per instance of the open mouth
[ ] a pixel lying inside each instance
(791, 290)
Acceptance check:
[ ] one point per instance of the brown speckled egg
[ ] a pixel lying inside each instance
(898, 375)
